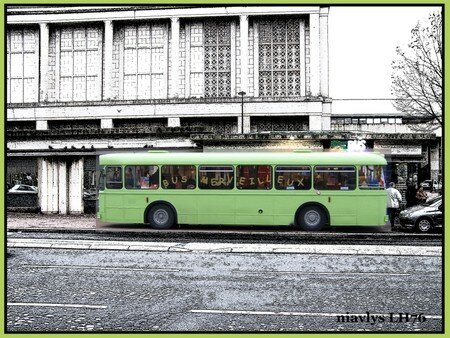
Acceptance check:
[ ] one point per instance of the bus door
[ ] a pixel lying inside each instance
(216, 198)
(254, 205)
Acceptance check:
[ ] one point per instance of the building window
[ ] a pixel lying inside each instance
(217, 61)
(80, 64)
(22, 65)
(279, 56)
(144, 62)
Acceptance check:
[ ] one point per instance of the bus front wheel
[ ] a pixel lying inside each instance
(311, 218)
(160, 216)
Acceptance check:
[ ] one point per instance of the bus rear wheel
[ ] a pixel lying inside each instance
(311, 218)
(160, 216)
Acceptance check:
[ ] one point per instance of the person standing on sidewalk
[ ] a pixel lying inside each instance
(393, 203)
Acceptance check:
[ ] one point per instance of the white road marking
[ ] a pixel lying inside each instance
(313, 249)
(84, 306)
(100, 268)
(307, 314)
(364, 274)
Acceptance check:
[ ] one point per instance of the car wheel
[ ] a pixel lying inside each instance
(161, 216)
(311, 218)
(424, 225)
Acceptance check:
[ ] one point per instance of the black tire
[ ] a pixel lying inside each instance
(424, 225)
(311, 218)
(161, 216)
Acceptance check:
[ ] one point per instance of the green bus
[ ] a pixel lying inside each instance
(305, 189)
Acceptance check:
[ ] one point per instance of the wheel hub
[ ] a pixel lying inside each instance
(161, 216)
(312, 218)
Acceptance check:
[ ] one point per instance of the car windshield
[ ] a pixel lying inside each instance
(432, 201)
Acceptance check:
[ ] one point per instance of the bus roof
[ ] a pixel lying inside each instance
(223, 158)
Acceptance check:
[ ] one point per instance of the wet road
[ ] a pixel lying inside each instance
(107, 290)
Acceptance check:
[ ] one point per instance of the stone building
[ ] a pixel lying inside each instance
(82, 81)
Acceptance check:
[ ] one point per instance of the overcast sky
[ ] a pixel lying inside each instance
(362, 42)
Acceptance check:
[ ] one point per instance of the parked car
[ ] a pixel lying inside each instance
(23, 189)
(423, 217)
(430, 185)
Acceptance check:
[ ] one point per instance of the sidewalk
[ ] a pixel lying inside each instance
(17, 220)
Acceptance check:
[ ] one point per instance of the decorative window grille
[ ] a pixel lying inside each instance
(80, 64)
(279, 57)
(22, 65)
(217, 58)
(145, 62)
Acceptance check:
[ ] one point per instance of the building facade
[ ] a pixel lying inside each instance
(82, 81)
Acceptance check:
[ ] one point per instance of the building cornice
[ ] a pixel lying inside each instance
(22, 16)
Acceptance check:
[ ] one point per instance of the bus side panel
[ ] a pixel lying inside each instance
(134, 204)
(114, 210)
(185, 204)
(216, 208)
(371, 209)
(286, 205)
(254, 208)
(341, 206)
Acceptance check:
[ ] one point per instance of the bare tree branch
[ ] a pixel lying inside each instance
(417, 76)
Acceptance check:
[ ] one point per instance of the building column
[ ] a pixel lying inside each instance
(302, 34)
(41, 125)
(326, 116)
(42, 184)
(315, 122)
(62, 201)
(106, 123)
(324, 51)
(434, 161)
(54, 186)
(243, 29)
(44, 45)
(76, 187)
(108, 59)
(246, 124)
(175, 56)
(173, 122)
(314, 45)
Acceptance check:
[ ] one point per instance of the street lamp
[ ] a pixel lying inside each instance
(242, 110)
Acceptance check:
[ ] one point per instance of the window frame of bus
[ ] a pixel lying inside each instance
(368, 187)
(119, 182)
(231, 187)
(141, 165)
(256, 187)
(101, 178)
(311, 176)
(179, 165)
(336, 166)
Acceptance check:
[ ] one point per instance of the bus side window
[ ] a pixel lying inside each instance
(371, 177)
(254, 177)
(215, 177)
(334, 178)
(292, 177)
(114, 177)
(178, 177)
(141, 177)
